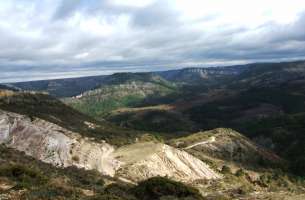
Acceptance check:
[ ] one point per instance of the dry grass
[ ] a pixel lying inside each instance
(6, 93)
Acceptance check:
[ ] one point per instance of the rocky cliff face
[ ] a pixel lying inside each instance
(195, 75)
(60, 147)
(53, 144)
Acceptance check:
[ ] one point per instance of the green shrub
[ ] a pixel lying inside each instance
(244, 189)
(240, 173)
(120, 191)
(109, 197)
(226, 170)
(50, 192)
(24, 175)
(157, 187)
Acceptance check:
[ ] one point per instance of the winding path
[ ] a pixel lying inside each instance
(211, 140)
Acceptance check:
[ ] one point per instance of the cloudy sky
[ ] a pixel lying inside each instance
(66, 38)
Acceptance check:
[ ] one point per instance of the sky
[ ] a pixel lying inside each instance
(45, 39)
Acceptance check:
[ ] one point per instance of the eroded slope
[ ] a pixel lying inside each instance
(53, 144)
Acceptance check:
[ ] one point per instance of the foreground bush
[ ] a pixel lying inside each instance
(157, 187)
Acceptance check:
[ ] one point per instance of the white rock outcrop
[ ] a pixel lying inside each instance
(53, 144)
(144, 160)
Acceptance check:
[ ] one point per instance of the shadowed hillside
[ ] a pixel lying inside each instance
(50, 109)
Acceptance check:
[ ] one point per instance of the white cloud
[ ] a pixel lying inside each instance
(121, 33)
(242, 12)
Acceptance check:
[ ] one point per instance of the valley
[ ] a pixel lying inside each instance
(232, 132)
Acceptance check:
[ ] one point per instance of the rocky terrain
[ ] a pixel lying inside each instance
(221, 147)
(149, 159)
(221, 158)
(55, 145)
(23, 177)
(157, 135)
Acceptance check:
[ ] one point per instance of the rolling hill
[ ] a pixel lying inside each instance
(121, 90)
(62, 87)
(86, 161)
(144, 125)
(266, 102)
(49, 131)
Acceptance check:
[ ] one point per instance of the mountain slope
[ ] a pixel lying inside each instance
(74, 86)
(51, 143)
(265, 101)
(55, 145)
(244, 164)
(151, 118)
(227, 145)
(149, 159)
(121, 90)
(139, 161)
(206, 76)
(62, 87)
(256, 73)
(270, 75)
(22, 177)
(50, 109)
(273, 117)
(8, 87)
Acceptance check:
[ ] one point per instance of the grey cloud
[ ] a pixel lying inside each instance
(156, 15)
(155, 38)
(66, 8)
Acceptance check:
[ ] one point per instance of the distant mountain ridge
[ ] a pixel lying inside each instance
(221, 163)
(74, 86)
(209, 76)
(62, 87)
(8, 87)
(191, 75)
